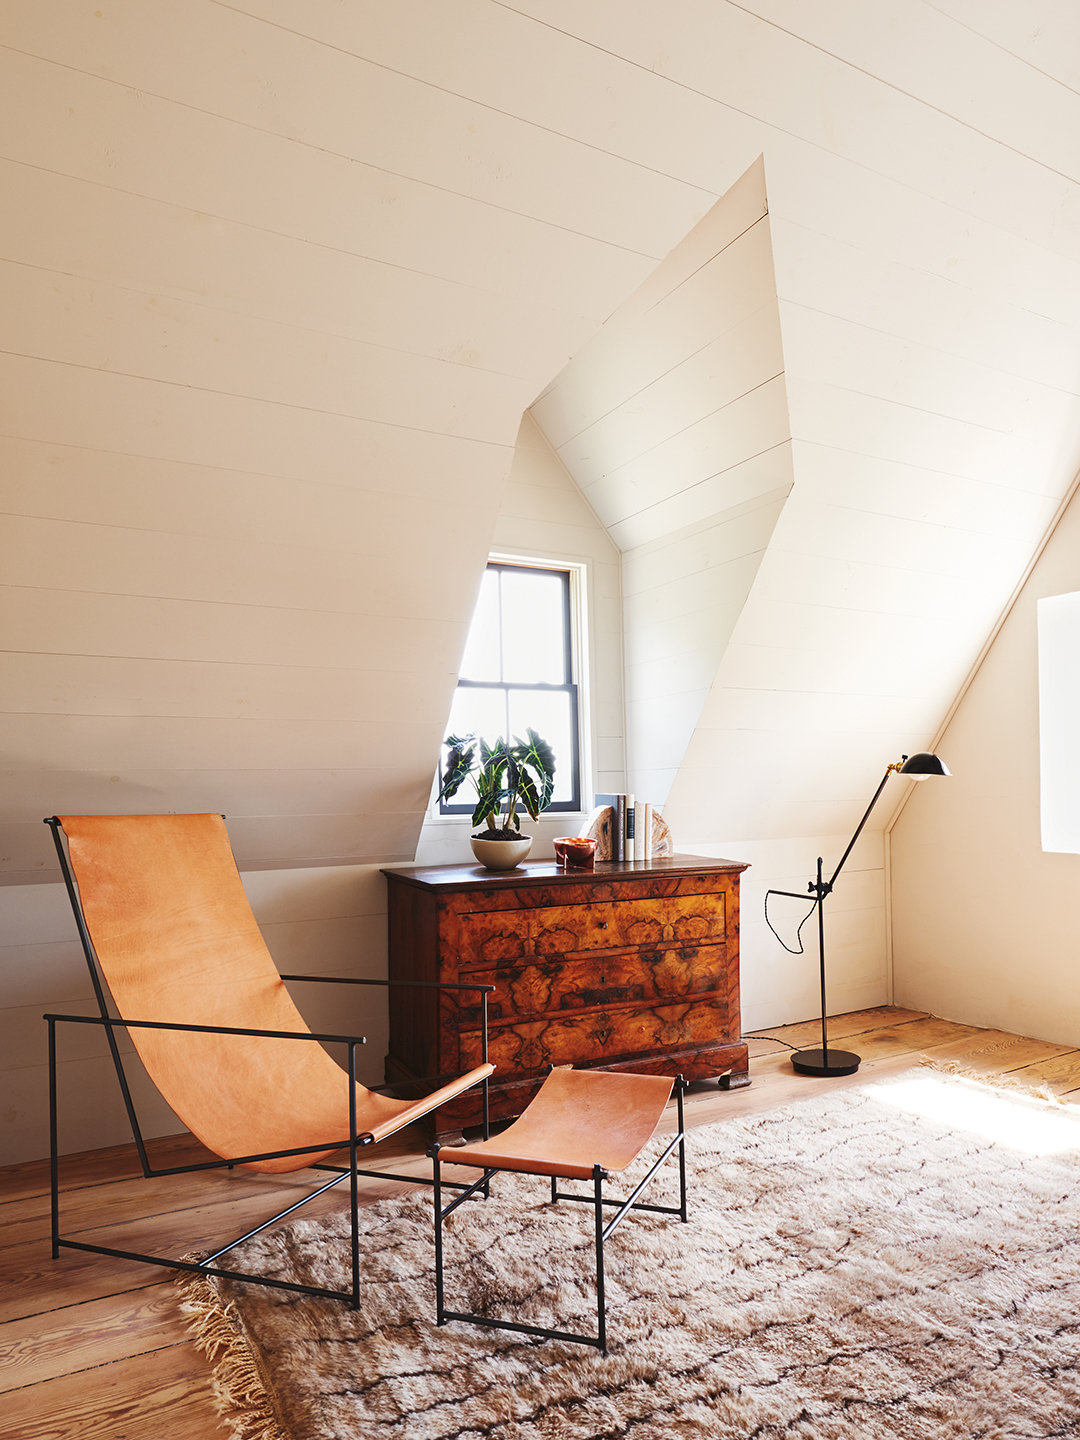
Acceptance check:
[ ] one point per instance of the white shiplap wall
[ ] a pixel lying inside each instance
(272, 314)
(279, 278)
(984, 918)
(316, 920)
(544, 517)
(673, 421)
(931, 350)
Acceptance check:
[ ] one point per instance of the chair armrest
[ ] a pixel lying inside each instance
(206, 1029)
(417, 1080)
(432, 1102)
(422, 984)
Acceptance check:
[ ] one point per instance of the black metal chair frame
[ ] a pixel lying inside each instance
(602, 1232)
(354, 1142)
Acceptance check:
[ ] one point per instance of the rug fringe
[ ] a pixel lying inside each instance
(242, 1395)
(998, 1081)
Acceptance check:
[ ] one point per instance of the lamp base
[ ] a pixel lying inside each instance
(825, 1062)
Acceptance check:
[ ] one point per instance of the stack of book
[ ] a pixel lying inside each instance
(631, 827)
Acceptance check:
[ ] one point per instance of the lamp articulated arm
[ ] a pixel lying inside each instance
(820, 887)
(917, 767)
(843, 1062)
(828, 884)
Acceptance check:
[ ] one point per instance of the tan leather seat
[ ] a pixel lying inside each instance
(581, 1125)
(176, 941)
(578, 1119)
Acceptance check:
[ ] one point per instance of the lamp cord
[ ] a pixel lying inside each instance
(798, 932)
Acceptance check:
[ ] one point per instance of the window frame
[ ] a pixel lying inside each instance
(574, 577)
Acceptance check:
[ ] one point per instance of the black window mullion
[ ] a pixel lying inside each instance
(568, 669)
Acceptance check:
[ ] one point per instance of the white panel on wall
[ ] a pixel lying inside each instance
(1059, 722)
(544, 517)
(984, 913)
(778, 987)
(268, 303)
(673, 421)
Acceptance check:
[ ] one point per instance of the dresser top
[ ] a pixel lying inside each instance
(546, 872)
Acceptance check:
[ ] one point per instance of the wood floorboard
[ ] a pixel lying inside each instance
(908, 1039)
(998, 1051)
(1060, 1073)
(776, 1084)
(127, 1200)
(808, 1032)
(40, 1285)
(165, 1394)
(86, 1336)
(110, 1203)
(198, 1221)
(105, 1167)
(96, 1347)
(94, 1167)
(757, 1046)
(203, 1227)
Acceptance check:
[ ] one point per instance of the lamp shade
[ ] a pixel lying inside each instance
(923, 765)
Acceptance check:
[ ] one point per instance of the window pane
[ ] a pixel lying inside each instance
(534, 629)
(478, 712)
(549, 714)
(481, 660)
(520, 637)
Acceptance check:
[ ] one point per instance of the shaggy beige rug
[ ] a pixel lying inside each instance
(901, 1260)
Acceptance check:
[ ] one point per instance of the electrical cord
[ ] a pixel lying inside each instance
(798, 932)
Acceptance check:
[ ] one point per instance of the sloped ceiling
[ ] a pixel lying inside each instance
(303, 258)
(673, 420)
(923, 210)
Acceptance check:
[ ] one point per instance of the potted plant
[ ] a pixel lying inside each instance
(503, 775)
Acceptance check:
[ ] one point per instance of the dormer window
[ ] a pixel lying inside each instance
(519, 671)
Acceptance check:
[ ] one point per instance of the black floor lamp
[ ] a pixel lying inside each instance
(843, 1062)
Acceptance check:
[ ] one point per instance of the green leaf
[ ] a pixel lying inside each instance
(538, 756)
(459, 764)
(529, 797)
(488, 804)
(505, 774)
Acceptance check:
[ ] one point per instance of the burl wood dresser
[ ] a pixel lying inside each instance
(633, 966)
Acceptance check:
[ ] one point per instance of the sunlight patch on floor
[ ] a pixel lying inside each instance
(1024, 1125)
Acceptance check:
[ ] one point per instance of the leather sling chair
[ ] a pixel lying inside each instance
(580, 1125)
(161, 909)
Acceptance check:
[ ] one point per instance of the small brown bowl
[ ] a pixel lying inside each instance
(575, 852)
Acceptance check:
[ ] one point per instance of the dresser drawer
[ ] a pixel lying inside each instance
(598, 1037)
(618, 978)
(684, 919)
(485, 940)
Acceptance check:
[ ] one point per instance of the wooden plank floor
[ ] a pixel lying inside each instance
(95, 1347)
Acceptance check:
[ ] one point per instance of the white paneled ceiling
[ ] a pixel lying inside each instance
(925, 226)
(673, 420)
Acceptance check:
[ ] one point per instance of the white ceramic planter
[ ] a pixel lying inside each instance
(500, 854)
